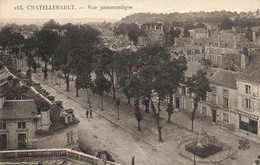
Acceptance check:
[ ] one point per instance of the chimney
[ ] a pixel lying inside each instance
(2, 101)
(254, 36)
(10, 80)
(219, 39)
(175, 40)
(200, 49)
(235, 41)
(244, 58)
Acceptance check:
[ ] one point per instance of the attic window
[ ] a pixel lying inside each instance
(68, 119)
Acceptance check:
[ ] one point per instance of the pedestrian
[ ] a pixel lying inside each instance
(87, 113)
(90, 113)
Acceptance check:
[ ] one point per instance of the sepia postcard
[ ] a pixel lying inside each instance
(130, 82)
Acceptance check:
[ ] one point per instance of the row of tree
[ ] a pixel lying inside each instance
(148, 75)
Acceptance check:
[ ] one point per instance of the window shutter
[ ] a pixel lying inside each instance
(255, 90)
(243, 102)
(253, 105)
(219, 100)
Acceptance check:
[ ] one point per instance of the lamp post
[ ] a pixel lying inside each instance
(194, 161)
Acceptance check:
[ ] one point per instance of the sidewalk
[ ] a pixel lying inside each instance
(180, 126)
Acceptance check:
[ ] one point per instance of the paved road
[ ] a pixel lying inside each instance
(98, 133)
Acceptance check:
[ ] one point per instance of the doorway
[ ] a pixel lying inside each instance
(177, 102)
(214, 116)
(21, 141)
(3, 141)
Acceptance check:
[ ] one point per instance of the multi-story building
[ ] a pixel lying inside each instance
(29, 120)
(154, 34)
(220, 104)
(224, 43)
(194, 52)
(199, 33)
(248, 84)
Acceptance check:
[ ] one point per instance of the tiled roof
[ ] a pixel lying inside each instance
(227, 61)
(224, 78)
(216, 76)
(57, 121)
(228, 37)
(252, 71)
(183, 41)
(18, 109)
(200, 30)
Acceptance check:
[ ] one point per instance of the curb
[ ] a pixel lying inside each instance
(97, 113)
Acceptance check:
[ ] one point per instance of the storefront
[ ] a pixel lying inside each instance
(248, 122)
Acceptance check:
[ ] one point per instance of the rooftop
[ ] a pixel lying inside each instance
(216, 76)
(18, 109)
(251, 72)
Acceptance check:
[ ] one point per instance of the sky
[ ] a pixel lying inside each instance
(7, 7)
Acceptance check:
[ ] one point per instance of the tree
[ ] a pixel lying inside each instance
(117, 107)
(48, 41)
(6, 37)
(16, 43)
(198, 87)
(157, 117)
(249, 34)
(147, 65)
(124, 66)
(30, 45)
(186, 32)
(226, 24)
(101, 84)
(172, 74)
(105, 62)
(51, 25)
(135, 89)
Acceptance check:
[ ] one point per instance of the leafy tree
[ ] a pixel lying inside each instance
(51, 25)
(29, 47)
(79, 43)
(101, 84)
(105, 62)
(6, 37)
(79, 83)
(16, 43)
(226, 24)
(186, 32)
(172, 74)
(48, 41)
(135, 89)
(198, 87)
(249, 34)
(147, 65)
(157, 117)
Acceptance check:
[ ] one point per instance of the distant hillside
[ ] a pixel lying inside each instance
(40, 22)
(208, 17)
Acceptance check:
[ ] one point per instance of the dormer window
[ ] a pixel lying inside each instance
(68, 119)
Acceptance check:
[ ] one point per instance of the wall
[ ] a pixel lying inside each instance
(59, 139)
(12, 132)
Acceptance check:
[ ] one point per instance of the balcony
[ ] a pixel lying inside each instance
(58, 153)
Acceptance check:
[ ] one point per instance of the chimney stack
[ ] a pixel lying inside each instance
(254, 36)
(2, 101)
(235, 41)
(244, 58)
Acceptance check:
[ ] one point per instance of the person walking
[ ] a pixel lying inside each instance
(87, 113)
(90, 113)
